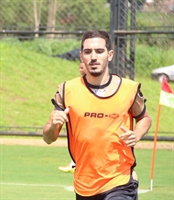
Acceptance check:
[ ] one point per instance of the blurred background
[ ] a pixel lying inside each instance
(40, 44)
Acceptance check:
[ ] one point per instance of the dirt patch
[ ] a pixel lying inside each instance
(31, 142)
(159, 145)
(63, 142)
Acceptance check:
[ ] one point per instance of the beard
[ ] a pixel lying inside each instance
(94, 73)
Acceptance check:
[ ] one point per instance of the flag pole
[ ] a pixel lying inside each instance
(154, 148)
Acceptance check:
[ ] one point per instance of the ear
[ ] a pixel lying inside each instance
(110, 55)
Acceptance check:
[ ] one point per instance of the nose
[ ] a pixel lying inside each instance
(93, 55)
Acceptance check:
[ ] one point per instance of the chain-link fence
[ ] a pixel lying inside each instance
(150, 22)
(141, 31)
(64, 15)
(54, 15)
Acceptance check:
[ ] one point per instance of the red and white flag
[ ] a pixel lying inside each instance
(166, 96)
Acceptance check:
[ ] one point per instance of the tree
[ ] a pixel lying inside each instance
(51, 19)
(37, 15)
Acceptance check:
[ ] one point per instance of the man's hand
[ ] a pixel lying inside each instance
(59, 117)
(52, 128)
(128, 137)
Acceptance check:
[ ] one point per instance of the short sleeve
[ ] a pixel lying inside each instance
(138, 108)
(59, 96)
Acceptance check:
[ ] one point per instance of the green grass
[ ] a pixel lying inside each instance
(30, 172)
(29, 79)
(34, 166)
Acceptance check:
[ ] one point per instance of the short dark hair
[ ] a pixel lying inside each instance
(97, 34)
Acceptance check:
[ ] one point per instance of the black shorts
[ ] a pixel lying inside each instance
(125, 192)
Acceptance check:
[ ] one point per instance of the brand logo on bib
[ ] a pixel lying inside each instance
(100, 115)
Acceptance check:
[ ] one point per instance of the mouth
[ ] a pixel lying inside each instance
(94, 65)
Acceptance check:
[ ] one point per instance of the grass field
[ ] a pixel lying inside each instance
(29, 79)
(30, 173)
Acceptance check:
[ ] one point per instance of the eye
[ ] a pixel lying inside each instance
(99, 51)
(87, 51)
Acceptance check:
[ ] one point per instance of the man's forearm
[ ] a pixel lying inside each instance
(142, 127)
(51, 132)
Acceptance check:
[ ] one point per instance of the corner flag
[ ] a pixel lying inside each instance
(166, 96)
(166, 99)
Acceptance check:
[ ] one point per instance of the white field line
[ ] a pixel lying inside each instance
(69, 188)
(143, 191)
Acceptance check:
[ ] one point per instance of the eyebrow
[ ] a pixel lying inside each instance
(100, 48)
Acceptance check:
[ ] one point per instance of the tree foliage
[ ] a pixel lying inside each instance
(68, 15)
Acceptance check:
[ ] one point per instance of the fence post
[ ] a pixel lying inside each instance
(132, 40)
(118, 21)
(113, 25)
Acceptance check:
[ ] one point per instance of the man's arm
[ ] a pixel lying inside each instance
(57, 118)
(143, 121)
(142, 126)
(53, 126)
